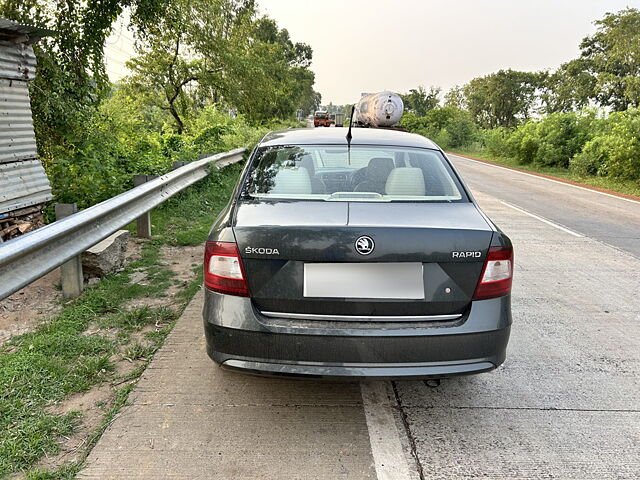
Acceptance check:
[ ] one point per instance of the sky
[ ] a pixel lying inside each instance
(374, 45)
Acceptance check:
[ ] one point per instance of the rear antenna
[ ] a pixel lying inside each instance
(349, 136)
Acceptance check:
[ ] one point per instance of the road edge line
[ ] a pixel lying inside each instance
(602, 191)
(543, 220)
(384, 438)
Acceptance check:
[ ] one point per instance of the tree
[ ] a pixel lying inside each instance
(71, 78)
(420, 101)
(219, 51)
(311, 103)
(568, 88)
(504, 98)
(454, 97)
(297, 54)
(168, 74)
(331, 108)
(184, 59)
(612, 57)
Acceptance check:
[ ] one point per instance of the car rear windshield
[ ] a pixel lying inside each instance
(361, 173)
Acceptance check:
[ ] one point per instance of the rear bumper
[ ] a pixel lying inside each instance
(239, 337)
(359, 371)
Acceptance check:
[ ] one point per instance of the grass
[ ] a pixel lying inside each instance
(58, 359)
(79, 347)
(629, 187)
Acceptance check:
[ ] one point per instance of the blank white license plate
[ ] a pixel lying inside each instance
(364, 280)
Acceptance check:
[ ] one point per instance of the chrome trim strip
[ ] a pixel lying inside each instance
(354, 318)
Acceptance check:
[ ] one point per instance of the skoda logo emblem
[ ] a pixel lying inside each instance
(364, 245)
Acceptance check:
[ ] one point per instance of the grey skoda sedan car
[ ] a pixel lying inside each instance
(368, 260)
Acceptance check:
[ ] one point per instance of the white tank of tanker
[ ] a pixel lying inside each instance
(382, 109)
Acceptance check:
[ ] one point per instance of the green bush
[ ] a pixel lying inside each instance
(562, 135)
(592, 158)
(552, 141)
(615, 150)
(116, 144)
(582, 141)
(449, 127)
(126, 137)
(494, 141)
(522, 143)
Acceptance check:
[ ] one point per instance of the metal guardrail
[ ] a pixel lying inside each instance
(29, 257)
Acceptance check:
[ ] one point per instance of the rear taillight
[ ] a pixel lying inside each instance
(223, 271)
(497, 274)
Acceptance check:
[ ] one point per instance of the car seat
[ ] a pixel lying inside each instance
(376, 175)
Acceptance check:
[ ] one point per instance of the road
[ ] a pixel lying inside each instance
(611, 220)
(566, 403)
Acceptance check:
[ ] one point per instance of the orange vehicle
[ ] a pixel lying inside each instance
(321, 119)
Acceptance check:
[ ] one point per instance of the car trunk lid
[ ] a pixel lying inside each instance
(439, 248)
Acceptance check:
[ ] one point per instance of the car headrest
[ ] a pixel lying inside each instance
(306, 161)
(379, 168)
(294, 180)
(406, 181)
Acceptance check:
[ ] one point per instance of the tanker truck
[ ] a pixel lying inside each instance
(382, 109)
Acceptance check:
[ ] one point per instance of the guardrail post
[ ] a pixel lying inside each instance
(70, 272)
(143, 222)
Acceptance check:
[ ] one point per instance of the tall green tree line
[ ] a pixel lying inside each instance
(190, 53)
(207, 75)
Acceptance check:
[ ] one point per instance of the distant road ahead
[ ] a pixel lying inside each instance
(612, 220)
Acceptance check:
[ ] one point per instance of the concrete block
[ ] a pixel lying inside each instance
(107, 256)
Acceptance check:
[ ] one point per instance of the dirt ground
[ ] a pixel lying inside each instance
(23, 311)
(181, 261)
(27, 308)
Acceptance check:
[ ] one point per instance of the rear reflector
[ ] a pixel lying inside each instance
(223, 271)
(497, 274)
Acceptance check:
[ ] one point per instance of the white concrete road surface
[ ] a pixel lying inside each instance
(566, 403)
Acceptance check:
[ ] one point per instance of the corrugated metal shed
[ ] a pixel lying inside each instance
(17, 139)
(23, 184)
(23, 181)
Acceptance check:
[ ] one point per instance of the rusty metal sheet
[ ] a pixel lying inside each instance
(17, 61)
(9, 28)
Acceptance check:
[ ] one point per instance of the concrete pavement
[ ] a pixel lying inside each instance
(190, 419)
(564, 405)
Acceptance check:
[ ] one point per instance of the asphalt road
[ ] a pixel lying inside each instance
(612, 220)
(566, 403)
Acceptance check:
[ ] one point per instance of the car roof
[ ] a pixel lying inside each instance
(337, 136)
